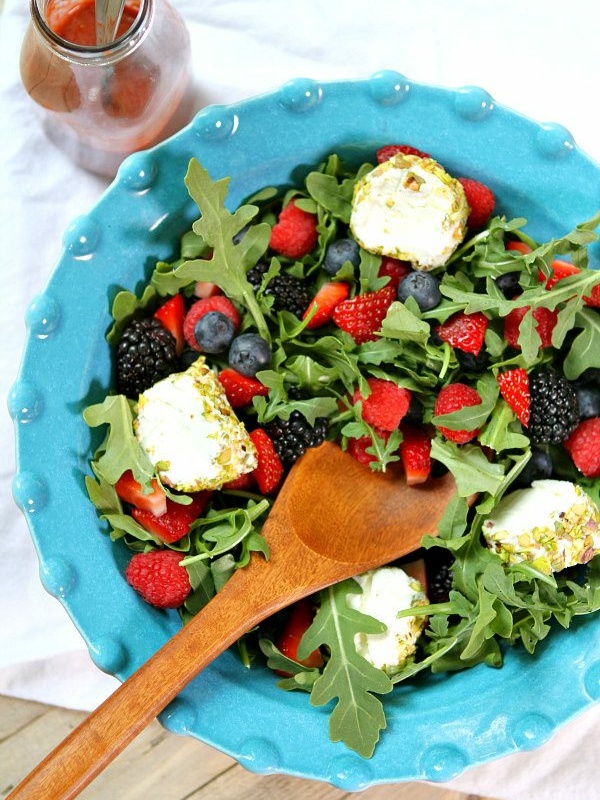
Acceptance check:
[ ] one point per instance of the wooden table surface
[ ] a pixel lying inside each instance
(161, 766)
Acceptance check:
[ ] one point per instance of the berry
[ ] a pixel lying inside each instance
(362, 316)
(249, 353)
(509, 285)
(415, 454)
(588, 400)
(391, 150)
(451, 398)
(439, 562)
(358, 447)
(326, 300)
(514, 388)
(130, 491)
(545, 322)
(171, 315)
(559, 269)
(582, 446)
(175, 523)
(554, 411)
(423, 287)
(289, 293)
(481, 201)
(214, 332)
(394, 269)
(539, 467)
(159, 578)
(470, 363)
(516, 245)
(240, 389)
(293, 436)
(295, 233)
(300, 617)
(269, 472)
(145, 354)
(338, 253)
(204, 289)
(242, 483)
(201, 307)
(385, 406)
(464, 332)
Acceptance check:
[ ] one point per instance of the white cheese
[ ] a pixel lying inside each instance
(190, 433)
(386, 592)
(409, 208)
(553, 524)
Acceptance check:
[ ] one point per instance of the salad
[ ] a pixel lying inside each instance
(390, 310)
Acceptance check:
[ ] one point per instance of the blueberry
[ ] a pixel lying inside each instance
(338, 253)
(249, 353)
(588, 397)
(423, 287)
(539, 467)
(473, 363)
(214, 332)
(509, 284)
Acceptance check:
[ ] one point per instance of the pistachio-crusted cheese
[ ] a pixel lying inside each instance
(190, 433)
(385, 592)
(553, 524)
(409, 208)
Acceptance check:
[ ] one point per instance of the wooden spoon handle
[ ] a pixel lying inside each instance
(74, 763)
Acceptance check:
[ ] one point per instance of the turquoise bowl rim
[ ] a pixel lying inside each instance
(438, 726)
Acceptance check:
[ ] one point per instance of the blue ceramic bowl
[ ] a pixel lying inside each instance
(437, 726)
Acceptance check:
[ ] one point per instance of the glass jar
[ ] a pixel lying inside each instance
(101, 103)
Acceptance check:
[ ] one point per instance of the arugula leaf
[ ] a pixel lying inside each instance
(585, 349)
(125, 307)
(471, 469)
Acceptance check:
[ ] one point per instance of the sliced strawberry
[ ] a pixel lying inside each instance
(415, 454)
(394, 269)
(559, 269)
(206, 289)
(385, 406)
(329, 296)
(300, 618)
(391, 150)
(239, 388)
(518, 246)
(594, 299)
(464, 332)
(171, 315)
(451, 398)
(175, 522)
(514, 388)
(481, 201)
(130, 491)
(362, 316)
(545, 320)
(417, 570)
(201, 307)
(295, 233)
(358, 447)
(269, 472)
(242, 483)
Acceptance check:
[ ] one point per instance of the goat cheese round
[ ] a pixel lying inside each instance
(552, 524)
(409, 208)
(385, 592)
(190, 433)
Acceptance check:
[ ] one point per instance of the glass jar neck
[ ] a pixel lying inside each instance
(93, 54)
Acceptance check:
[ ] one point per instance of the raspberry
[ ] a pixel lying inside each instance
(295, 233)
(545, 322)
(583, 446)
(481, 201)
(514, 388)
(451, 398)
(385, 406)
(362, 316)
(159, 578)
(391, 150)
(554, 409)
(202, 307)
(464, 332)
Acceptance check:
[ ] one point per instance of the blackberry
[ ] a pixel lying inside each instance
(292, 437)
(554, 410)
(289, 293)
(145, 353)
(438, 563)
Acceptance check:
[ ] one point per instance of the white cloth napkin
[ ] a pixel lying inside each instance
(538, 57)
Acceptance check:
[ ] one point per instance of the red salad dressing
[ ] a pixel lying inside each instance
(75, 20)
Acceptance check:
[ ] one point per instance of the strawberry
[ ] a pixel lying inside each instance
(451, 398)
(391, 150)
(518, 246)
(415, 454)
(394, 269)
(329, 296)
(358, 447)
(545, 322)
(171, 315)
(130, 491)
(201, 307)
(242, 483)
(300, 618)
(361, 316)
(159, 578)
(594, 299)
(205, 289)
(559, 269)
(514, 388)
(464, 332)
(417, 570)
(295, 233)
(240, 389)
(385, 406)
(269, 472)
(175, 522)
(481, 201)
(583, 445)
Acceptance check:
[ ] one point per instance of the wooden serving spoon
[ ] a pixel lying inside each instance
(333, 519)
